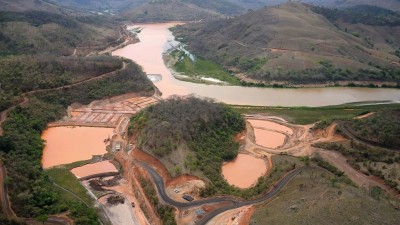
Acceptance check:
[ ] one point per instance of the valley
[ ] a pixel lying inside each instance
(199, 112)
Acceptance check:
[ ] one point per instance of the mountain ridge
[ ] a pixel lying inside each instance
(290, 43)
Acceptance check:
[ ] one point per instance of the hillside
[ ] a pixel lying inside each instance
(181, 10)
(100, 5)
(45, 68)
(29, 5)
(387, 4)
(190, 136)
(291, 43)
(33, 32)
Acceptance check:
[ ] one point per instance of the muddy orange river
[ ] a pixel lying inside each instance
(70, 144)
(244, 171)
(270, 125)
(94, 168)
(269, 139)
(155, 39)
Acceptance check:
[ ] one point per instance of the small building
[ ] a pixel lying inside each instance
(118, 146)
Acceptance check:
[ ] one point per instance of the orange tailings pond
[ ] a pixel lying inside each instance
(94, 168)
(269, 134)
(65, 145)
(244, 171)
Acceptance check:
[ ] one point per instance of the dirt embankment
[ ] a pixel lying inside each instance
(161, 169)
(131, 174)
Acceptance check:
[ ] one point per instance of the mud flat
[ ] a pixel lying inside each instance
(269, 139)
(244, 171)
(70, 144)
(156, 39)
(93, 169)
(270, 126)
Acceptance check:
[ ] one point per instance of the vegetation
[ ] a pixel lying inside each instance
(311, 198)
(166, 213)
(39, 32)
(382, 127)
(132, 79)
(308, 115)
(201, 68)
(38, 18)
(30, 188)
(379, 162)
(326, 165)
(247, 45)
(208, 129)
(365, 14)
(6, 221)
(163, 126)
(23, 74)
(64, 178)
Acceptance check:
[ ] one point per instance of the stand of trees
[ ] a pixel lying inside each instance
(382, 127)
(208, 129)
(365, 14)
(31, 191)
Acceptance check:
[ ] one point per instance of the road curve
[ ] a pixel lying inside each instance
(5, 202)
(235, 203)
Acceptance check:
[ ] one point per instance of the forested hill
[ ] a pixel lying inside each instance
(291, 43)
(195, 135)
(181, 10)
(387, 4)
(29, 5)
(44, 47)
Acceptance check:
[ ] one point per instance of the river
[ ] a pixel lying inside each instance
(156, 39)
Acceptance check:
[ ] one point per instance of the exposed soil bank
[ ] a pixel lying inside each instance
(269, 139)
(70, 144)
(94, 168)
(244, 171)
(270, 125)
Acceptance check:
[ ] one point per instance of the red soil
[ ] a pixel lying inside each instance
(161, 169)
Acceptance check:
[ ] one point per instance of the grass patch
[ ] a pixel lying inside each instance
(67, 180)
(201, 67)
(307, 115)
(312, 198)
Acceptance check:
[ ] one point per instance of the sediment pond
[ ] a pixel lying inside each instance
(94, 168)
(70, 144)
(244, 171)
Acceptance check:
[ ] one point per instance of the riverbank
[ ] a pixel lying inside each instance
(156, 40)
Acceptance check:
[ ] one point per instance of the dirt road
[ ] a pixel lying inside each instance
(3, 115)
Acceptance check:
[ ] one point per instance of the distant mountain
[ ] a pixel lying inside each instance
(36, 27)
(387, 4)
(181, 10)
(393, 5)
(27, 5)
(100, 5)
(292, 43)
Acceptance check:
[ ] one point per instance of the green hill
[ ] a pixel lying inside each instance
(293, 44)
(181, 10)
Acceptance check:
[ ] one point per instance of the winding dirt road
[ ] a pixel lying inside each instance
(233, 202)
(3, 115)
